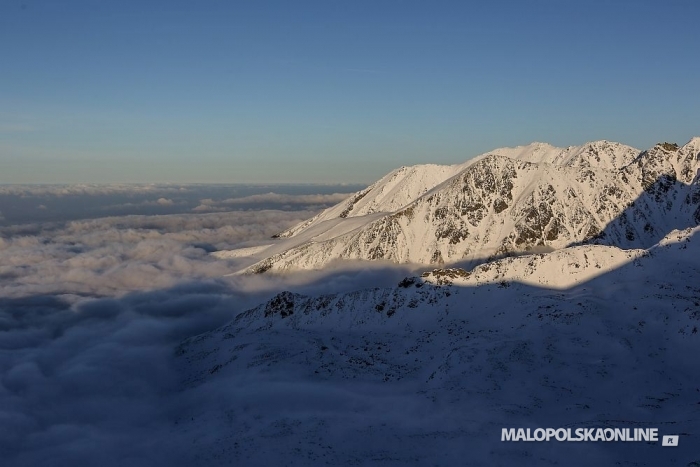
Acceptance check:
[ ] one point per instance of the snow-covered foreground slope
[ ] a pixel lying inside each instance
(557, 270)
(240, 252)
(424, 374)
(508, 201)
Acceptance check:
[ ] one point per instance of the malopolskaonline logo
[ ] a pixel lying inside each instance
(587, 435)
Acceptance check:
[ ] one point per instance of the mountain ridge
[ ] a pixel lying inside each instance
(507, 201)
(363, 374)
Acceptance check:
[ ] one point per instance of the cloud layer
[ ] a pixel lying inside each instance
(91, 312)
(271, 198)
(21, 204)
(114, 255)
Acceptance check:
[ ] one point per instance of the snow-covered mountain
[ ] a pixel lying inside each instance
(392, 192)
(428, 372)
(508, 201)
(597, 325)
(404, 185)
(602, 154)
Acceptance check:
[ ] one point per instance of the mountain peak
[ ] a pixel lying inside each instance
(604, 154)
(693, 146)
(668, 147)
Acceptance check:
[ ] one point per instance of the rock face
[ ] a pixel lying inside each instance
(508, 201)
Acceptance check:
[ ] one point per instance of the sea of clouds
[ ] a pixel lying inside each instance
(92, 309)
(23, 204)
(114, 255)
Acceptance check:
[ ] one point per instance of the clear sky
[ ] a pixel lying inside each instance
(330, 91)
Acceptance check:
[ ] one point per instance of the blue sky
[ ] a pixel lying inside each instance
(330, 91)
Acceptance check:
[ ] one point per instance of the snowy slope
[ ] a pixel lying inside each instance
(391, 192)
(557, 270)
(402, 186)
(421, 374)
(508, 202)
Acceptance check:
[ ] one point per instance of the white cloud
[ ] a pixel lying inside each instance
(89, 189)
(288, 199)
(115, 255)
(90, 315)
(210, 205)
